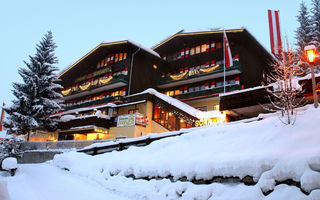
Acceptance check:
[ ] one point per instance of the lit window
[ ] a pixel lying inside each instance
(216, 107)
(192, 51)
(116, 57)
(203, 48)
(124, 56)
(176, 92)
(198, 49)
(132, 111)
(120, 56)
(167, 93)
(171, 93)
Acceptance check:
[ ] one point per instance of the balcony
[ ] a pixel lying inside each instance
(86, 122)
(95, 102)
(116, 82)
(199, 75)
(207, 92)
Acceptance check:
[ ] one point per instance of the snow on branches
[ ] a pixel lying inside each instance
(286, 94)
(37, 97)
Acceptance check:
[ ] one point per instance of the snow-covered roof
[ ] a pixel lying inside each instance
(175, 102)
(184, 31)
(145, 48)
(104, 43)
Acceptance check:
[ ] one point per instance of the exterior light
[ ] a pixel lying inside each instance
(155, 66)
(310, 52)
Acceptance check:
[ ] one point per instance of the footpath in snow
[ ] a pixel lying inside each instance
(46, 182)
(258, 160)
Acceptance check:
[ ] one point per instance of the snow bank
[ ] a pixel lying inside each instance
(267, 150)
(4, 195)
(9, 163)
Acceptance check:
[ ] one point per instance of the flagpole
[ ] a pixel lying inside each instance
(224, 62)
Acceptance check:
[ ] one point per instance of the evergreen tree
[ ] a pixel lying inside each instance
(38, 96)
(315, 22)
(304, 31)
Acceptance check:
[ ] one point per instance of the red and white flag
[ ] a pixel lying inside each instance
(274, 29)
(2, 117)
(227, 52)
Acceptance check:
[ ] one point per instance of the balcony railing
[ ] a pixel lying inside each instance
(199, 75)
(117, 81)
(95, 102)
(86, 121)
(207, 92)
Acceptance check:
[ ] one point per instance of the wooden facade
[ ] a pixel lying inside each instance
(187, 66)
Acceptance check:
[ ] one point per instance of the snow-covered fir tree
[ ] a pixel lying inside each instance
(315, 22)
(37, 97)
(303, 34)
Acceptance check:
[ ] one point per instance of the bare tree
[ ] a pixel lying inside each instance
(285, 94)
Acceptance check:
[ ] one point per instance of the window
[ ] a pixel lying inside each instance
(116, 58)
(216, 107)
(196, 89)
(231, 82)
(124, 56)
(203, 48)
(176, 92)
(198, 49)
(192, 51)
(191, 89)
(219, 45)
(120, 56)
(202, 108)
(132, 111)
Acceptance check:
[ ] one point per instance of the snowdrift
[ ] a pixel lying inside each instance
(258, 160)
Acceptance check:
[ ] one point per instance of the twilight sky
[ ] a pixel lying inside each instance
(80, 25)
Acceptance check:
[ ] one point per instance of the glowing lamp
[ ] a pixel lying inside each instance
(310, 52)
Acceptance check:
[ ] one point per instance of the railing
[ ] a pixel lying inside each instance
(123, 144)
(168, 79)
(87, 121)
(67, 144)
(95, 102)
(207, 92)
(116, 79)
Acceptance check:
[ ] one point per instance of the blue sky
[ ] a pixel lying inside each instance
(80, 25)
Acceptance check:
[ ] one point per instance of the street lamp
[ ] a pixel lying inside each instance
(310, 52)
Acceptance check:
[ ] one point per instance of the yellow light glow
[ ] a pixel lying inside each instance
(311, 55)
(155, 66)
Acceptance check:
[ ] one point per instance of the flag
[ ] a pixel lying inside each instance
(274, 29)
(227, 58)
(227, 52)
(2, 117)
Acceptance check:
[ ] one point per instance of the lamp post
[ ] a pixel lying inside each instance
(310, 52)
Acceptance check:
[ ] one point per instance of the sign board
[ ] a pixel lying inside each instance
(126, 120)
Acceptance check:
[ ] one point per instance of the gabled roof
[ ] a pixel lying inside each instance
(184, 32)
(148, 50)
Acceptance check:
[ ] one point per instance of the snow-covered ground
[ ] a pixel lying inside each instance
(44, 181)
(272, 153)
(276, 161)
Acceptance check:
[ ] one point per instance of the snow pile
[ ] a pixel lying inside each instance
(4, 195)
(267, 155)
(9, 163)
(66, 118)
